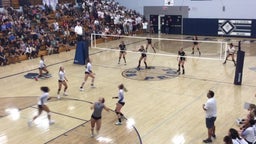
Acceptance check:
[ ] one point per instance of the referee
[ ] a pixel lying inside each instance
(79, 31)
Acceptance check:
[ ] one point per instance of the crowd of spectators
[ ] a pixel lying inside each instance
(246, 133)
(35, 28)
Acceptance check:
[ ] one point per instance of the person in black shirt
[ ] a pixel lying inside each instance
(122, 52)
(195, 44)
(181, 58)
(149, 42)
(3, 59)
(143, 56)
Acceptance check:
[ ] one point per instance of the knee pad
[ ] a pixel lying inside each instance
(58, 89)
(182, 66)
(179, 65)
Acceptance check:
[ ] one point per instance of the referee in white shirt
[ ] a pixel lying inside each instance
(79, 31)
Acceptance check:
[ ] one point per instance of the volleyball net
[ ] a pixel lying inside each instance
(212, 50)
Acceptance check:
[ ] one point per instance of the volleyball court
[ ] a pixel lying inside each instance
(212, 52)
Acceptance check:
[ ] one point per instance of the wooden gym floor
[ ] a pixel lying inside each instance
(165, 108)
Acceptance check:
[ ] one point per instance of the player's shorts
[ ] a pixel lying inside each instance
(122, 52)
(40, 106)
(61, 81)
(96, 118)
(143, 55)
(195, 43)
(87, 72)
(122, 103)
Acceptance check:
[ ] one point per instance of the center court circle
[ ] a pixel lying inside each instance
(153, 73)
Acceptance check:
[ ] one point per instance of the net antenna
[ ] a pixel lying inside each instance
(215, 49)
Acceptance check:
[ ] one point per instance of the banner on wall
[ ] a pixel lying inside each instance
(168, 2)
(235, 27)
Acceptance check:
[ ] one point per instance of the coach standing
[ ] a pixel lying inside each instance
(210, 107)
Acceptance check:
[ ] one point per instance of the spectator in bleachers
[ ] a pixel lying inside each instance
(3, 59)
(28, 52)
(248, 132)
(236, 139)
(33, 22)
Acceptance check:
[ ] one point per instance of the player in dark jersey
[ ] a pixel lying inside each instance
(143, 56)
(122, 52)
(181, 58)
(195, 44)
(149, 43)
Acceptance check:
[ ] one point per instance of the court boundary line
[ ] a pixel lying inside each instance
(63, 134)
(61, 114)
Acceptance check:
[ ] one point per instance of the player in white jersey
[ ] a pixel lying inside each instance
(231, 53)
(88, 73)
(120, 103)
(62, 81)
(42, 105)
(42, 66)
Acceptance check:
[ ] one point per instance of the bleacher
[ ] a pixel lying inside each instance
(51, 18)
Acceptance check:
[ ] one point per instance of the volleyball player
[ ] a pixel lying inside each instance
(142, 57)
(42, 106)
(149, 43)
(42, 66)
(62, 81)
(231, 53)
(120, 103)
(122, 53)
(195, 44)
(181, 58)
(88, 73)
(96, 115)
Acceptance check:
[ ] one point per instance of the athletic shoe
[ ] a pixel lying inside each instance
(207, 141)
(199, 53)
(124, 63)
(238, 121)
(58, 96)
(118, 123)
(36, 79)
(51, 122)
(118, 62)
(81, 89)
(65, 94)
(30, 123)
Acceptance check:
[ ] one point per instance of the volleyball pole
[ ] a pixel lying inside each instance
(239, 65)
